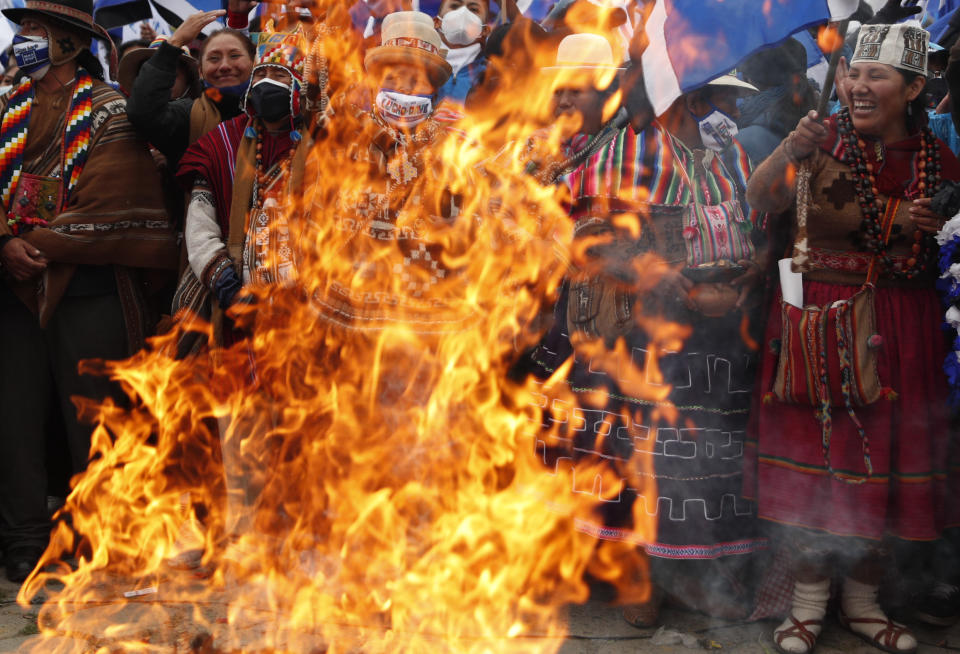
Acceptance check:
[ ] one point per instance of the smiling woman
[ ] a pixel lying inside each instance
(172, 123)
(866, 247)
(880, 96)
(226, 59)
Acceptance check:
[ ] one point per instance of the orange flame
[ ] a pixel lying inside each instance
(829, 38)
(375, 486)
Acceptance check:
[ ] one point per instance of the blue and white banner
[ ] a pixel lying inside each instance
(940, 27)
(115, 14)
(7, 28)
(695, 41)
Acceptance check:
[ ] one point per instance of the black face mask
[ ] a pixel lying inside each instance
(269, 99)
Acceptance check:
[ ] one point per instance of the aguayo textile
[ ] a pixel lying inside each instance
(645, 168)
(69, 154)
(214, 159)
(697, 458)
(907, 437)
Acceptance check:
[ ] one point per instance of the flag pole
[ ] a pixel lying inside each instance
(832, 69)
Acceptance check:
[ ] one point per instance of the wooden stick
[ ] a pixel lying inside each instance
(832, 69)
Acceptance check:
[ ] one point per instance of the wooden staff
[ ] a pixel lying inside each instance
(832, 69)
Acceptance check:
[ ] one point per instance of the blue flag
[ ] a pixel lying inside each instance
(695, 41)
(941, 26)
(114, 14)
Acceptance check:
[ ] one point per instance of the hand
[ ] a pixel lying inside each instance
(190, 29)
(924, 217)
(226, 287)
(159, 160)
(674, 285)
(808, 136)
(840, 82)
(748, 281)
(895, 11)
(147, 33)
(241, 6)
(22, 259)
(944, 106)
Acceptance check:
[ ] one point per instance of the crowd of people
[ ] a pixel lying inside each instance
(810, 439)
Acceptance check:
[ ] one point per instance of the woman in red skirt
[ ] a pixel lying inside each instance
(840, 490)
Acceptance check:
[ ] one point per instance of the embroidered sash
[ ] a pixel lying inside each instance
(268, 256)
(75, 144)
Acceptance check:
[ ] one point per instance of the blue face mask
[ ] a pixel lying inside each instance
(237, 90)
(32, 54)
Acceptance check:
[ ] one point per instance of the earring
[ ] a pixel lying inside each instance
(910, 109)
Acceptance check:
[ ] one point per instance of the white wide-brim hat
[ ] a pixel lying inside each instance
(583, 58)
(584, 52)
(732, 81)
(409, 37)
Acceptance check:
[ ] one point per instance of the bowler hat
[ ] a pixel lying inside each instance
(69, 13)
(134, 59)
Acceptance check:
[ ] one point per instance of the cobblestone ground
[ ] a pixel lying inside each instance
(594, 628)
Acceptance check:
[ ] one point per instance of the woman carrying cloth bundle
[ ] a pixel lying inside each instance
(851, 439)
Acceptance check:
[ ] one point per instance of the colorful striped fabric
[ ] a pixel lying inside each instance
(77, 131)
(13, 138)
(641, 168)
(76, 137)
(717, 232)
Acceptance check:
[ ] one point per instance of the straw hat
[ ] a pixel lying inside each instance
(410, 37)
(732, 81)
(134, 59)
(584, 52)
(584, 58)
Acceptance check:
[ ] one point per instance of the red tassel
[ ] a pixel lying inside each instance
(768, 398)
(890, 394)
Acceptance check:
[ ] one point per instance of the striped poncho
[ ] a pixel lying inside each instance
(642, 168)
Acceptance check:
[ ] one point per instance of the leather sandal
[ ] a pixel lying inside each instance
(799, 631)
(647, 614)
(885, 639)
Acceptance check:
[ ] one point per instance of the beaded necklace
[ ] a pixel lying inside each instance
(871, 228)
(263, 177)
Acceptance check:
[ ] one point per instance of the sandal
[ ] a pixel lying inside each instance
(885, 639)
(799, 631)
(647, 614)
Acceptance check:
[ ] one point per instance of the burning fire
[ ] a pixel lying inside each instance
(829, 38)
(387, 489)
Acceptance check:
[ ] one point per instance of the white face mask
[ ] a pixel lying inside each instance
(402, 110)
(4, 89)
(461, 26)
(717, 129)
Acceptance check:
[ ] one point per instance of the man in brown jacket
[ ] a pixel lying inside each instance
(82, 217)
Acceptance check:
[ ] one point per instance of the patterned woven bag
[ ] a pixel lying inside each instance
(718, 232)
(828, 354)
